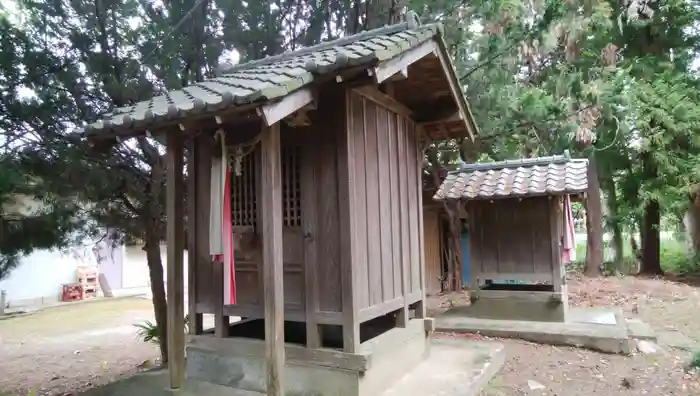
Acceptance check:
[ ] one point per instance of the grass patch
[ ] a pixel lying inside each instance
(674, 257)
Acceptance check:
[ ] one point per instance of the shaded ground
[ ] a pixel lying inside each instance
(60, 350)
(573, 372)
(63, 350)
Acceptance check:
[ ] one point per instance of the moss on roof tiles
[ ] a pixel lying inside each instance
(269, 78)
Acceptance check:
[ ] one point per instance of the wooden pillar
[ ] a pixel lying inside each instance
(193, 200)
(221, 322)
(310, 228)
(422, 304)
(271, 211)
(555, 228)
(176, 241)
(348, 228)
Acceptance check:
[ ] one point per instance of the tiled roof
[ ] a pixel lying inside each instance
(271, 77)
(556, 175)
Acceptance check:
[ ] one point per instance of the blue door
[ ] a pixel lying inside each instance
(464, 245)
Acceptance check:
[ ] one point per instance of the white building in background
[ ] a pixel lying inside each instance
(39, 278)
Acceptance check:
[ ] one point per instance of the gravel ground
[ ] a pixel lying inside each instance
(533, 369)
(62, 350)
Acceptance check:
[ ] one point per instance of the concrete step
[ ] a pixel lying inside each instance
(455, 367)
(584, 328)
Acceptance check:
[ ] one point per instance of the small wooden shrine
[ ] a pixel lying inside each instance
(324, 147)
(516, 218)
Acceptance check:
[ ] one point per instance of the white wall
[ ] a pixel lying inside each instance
(39, 275)
(135, 268)
(37, 280)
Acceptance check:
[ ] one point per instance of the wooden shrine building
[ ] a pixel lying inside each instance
(325, 146)
(515, 212)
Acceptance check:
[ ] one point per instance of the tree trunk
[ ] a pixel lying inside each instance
(382, 12)
(651, 222)
(651, 240)
(594, 221)
(615, 227)
(160, 307)
(691, 222)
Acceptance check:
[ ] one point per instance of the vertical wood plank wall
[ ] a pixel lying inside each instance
(386, 257)
(512, 237)
(386, 203)
(433, 253)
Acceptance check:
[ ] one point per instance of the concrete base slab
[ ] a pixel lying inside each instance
(239, 363)
(676, 339)
(156, 383)
(640, 330)
(456, 367)
(586, 328)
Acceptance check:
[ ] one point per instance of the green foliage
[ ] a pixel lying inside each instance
(150, 332)
(22, 228)
(695, 360)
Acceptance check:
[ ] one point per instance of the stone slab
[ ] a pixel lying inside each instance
(640, 330)
(582, 330)
(156, 383)
(456, 367)
(515, 308)
(676, 339)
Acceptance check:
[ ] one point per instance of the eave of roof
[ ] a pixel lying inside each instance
(255, 83)
(556, 175)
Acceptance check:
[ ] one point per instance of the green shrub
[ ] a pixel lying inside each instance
(149, 331)
(675, 259)
(695, 360)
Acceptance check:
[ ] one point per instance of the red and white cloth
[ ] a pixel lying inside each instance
(569, 251)
(220, 224)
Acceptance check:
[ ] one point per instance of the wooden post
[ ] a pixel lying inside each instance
(421, 308)
(222, 322)
(347, 224)
(193, 200)
(175, 239)
(555, 228)
(310, 227)
(271, 222)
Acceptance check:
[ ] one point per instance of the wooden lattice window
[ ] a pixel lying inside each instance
(243, 189)
(244, 211)
(291, 186)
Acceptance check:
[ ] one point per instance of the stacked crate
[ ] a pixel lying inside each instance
(88, 280)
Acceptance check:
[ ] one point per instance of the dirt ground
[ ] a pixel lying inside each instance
(60, 351)
(533, 369)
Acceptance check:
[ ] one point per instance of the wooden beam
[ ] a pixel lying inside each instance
(175, 242)
(271, 205)
(401, 75)
(454, 117)
(235, 346)
(464, 111)
(384, 100)
(195, 326)
(273, 113)
(390, 67)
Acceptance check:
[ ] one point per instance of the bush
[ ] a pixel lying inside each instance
(675, 259)
(695, 360)
(149, 331)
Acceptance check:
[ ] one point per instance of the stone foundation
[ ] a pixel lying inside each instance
(531, 305)
(239, 363)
